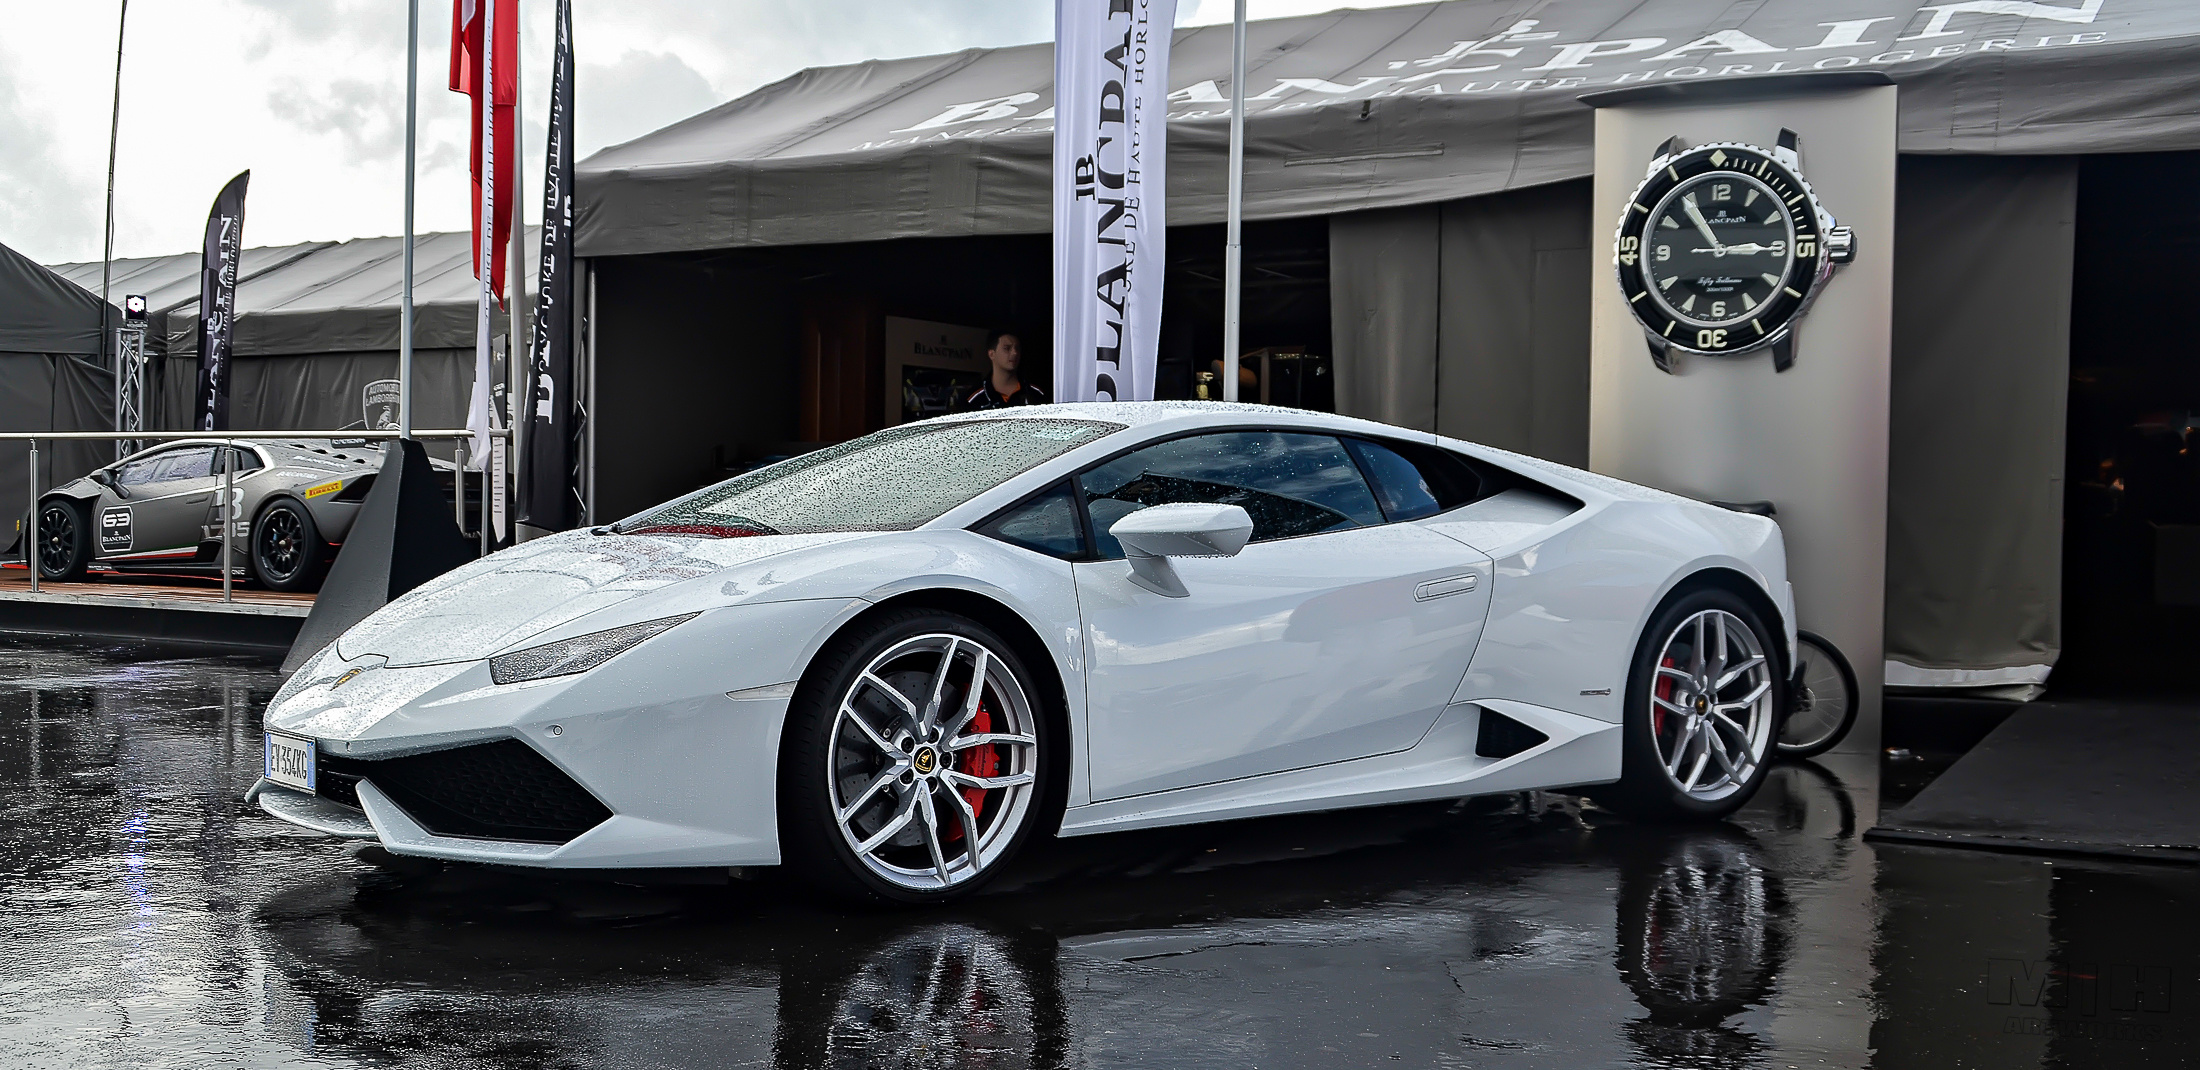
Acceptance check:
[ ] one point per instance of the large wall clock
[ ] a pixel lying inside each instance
(1722, 249)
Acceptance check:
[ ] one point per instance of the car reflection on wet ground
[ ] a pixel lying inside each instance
(148, 917)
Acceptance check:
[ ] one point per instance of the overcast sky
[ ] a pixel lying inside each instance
(309, 94)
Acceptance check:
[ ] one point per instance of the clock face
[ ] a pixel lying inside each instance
(1719, 250)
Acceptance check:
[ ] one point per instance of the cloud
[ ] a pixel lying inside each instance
(46, 205)
(639, 92)
(368, 116)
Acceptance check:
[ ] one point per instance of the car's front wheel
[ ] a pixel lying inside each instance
(286, 547)
(914, 764)
(1703, 703)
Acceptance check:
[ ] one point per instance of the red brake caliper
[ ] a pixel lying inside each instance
(1664, 691)
(982, 761)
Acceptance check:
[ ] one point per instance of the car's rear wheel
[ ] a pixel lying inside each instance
(286, 547)
(1703, 701)
(64, 539)
(913, 766)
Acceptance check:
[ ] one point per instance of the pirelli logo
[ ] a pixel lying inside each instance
(330, 487)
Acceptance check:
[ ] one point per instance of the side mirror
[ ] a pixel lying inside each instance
(108, 481)
(1151, 536)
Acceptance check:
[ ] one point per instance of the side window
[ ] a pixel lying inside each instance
(196, 462)
(141, 471)
(1046, 524)
(1292, 484)
(1401, 487)
(242, 459)
(1415, 479)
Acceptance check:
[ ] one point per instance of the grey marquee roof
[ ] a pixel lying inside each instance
(1375, 108)
(317, 297)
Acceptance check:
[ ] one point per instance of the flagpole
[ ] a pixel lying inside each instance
(1232, 253)
(405, 315)
(515, 333)
(107, 262)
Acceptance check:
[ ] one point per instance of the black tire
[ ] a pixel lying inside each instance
(64, 539)
(1646, 790)
(823, 760)
(1823, 708)
(287, 548)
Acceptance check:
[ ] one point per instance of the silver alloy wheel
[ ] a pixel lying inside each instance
(931, 776)
(1711, 712)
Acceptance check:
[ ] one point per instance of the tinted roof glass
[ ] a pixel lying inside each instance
(892, 480)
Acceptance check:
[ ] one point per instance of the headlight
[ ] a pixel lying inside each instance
(578, 654)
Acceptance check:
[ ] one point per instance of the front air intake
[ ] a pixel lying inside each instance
(500, 790)
(1502, 737)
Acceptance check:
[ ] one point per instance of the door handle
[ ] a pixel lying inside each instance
(1447, 585)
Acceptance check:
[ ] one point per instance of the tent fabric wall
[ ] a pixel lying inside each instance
(51, 377)
(1981, 369)
(50, 392)
(26, 404)
(323, 392)
(1469, 318)
(1384, 313)
(1513, 356)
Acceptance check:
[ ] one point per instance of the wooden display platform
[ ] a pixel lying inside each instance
(184, 609)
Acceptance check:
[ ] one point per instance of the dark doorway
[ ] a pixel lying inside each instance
(2131, 534)
(1285, 311)
(711, 363)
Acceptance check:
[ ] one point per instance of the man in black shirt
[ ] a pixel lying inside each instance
(1005, 387)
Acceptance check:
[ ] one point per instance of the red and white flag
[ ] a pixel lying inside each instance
(494, 67)
(467, 54)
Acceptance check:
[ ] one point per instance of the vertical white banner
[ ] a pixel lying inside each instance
(1111, 115)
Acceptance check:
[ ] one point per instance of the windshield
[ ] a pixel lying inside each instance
(892, 480)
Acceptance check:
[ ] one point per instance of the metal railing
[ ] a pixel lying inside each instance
(229, 439)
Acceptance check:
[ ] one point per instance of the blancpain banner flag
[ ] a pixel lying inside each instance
(1111, 79)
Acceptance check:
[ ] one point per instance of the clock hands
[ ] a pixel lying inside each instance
(1749, 249)
(1688, 204)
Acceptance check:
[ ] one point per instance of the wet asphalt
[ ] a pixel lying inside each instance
(149, 917)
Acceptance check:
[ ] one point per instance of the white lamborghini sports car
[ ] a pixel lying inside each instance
(891, 662)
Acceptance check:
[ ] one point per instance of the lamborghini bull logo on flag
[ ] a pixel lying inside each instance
(1111, 77)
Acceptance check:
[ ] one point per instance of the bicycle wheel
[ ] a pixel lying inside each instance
(1824, 704)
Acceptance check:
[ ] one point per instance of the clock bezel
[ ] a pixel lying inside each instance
(1805, 274)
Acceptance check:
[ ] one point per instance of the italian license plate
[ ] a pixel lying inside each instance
(290, 761)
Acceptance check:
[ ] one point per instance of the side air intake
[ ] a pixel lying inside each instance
(1502, 737)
